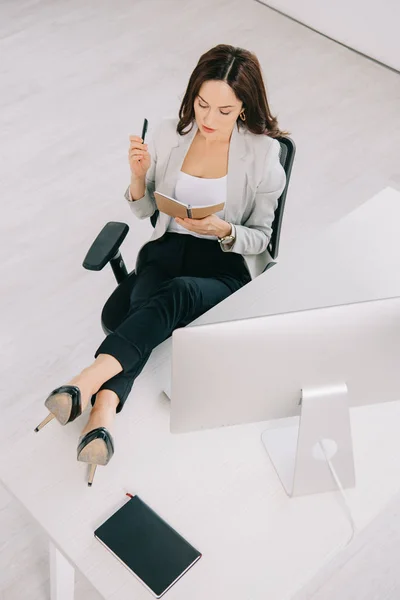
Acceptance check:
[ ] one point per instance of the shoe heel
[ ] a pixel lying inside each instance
(92, 471)
(49, 417)
(95, 448)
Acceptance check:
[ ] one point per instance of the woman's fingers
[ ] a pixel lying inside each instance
(138, 155)
(137, 142)
(139, 147)
(133, 153)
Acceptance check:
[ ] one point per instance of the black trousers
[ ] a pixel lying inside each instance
(179, 277)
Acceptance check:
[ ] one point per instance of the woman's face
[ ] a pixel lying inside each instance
(216, 107)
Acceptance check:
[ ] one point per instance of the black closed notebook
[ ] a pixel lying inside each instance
(155, 553)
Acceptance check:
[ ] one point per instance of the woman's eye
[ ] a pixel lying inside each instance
(222, 113)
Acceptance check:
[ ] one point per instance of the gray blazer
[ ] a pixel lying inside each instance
(255, 180)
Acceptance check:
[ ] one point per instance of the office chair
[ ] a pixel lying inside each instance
(105, 249)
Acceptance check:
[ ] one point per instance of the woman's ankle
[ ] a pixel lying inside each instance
(102, 416)
(101, 370)
(106, 399)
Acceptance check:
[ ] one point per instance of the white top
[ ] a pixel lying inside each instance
(198, 191)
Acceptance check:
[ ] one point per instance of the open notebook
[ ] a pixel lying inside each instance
(174, 208)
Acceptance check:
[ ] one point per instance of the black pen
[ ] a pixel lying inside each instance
(144, 129)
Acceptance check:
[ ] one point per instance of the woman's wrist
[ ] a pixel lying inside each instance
(137, 188)
(227, 230)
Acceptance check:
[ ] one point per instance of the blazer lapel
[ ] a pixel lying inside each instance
(238, 163)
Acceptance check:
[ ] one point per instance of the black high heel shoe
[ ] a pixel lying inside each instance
(96, 448)
(64, 403)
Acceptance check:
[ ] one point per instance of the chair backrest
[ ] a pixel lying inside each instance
(286, 157)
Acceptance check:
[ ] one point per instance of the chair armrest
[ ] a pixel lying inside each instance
(105, 246)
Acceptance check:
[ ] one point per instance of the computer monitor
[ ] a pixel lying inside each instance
(254, 369)
(314, 363)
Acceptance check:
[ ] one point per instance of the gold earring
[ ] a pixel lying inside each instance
(242, 117)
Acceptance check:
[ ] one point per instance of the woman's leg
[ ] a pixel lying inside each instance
(158, 262)
(147, 283)
(90, 379)
(106, 373)
(158, 308)
(121, 384)
(175, 304)
(103, 413)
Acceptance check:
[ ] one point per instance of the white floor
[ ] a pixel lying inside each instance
(76, 78)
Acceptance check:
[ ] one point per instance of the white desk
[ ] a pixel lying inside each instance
(355, 259)
(218, 487)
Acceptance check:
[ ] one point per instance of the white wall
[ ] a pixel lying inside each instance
(369, 26)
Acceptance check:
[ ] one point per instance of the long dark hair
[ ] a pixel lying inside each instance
(241, 70)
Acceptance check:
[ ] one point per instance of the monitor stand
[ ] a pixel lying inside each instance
(316, 453)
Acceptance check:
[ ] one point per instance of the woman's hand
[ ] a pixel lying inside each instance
(139, 157)
(211, 225)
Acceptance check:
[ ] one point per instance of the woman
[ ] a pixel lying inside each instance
(189, 265)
